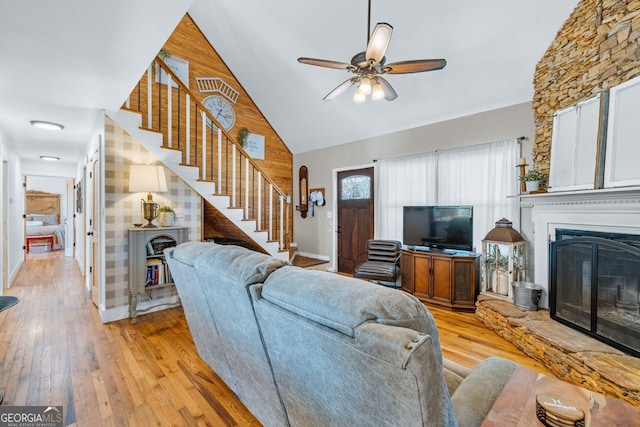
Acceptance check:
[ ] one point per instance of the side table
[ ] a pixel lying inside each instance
(6, 302)
(516, 405)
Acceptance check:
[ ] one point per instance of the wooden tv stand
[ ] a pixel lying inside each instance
(447, 278)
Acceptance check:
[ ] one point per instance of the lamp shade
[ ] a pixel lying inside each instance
(147, 178)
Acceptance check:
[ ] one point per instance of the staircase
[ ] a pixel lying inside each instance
(168, 120)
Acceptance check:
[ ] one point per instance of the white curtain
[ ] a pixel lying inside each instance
(402, 181)
(484, 176)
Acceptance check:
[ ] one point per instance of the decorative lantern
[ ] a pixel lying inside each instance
(504, 259)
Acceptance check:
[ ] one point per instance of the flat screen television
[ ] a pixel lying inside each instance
(438, 227)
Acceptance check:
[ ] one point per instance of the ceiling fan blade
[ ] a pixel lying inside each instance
(415, 66)
(378, 42)
(340, 89)
(389, 93)
(324, 63)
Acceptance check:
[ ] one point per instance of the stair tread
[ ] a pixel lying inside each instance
(170, 148)
(149, 129)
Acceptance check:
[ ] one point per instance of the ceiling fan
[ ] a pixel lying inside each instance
(370, 65)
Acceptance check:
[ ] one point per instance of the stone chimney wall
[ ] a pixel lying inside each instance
(597, 48)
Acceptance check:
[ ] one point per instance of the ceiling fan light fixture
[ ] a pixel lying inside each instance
(359, 97)
(365, 86)
(378, 92)
(46, 125)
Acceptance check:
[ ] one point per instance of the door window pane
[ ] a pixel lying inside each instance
(356, 187)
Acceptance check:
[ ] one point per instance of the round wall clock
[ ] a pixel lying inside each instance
(221, 110)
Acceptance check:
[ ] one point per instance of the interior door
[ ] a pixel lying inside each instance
(94, 233)
(5, 241)
(355, 217)
(69, 219)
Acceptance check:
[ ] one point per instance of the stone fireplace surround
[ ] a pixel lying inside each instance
(569, 354)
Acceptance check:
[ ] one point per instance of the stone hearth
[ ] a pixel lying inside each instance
(570, 355)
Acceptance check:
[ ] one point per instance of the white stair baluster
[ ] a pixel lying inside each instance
(204, 145)
(149, 97)
(233, 175)
(259, 223)
(187, 137)
(281, 222)
(169, 85)
(270, 233)
(246, 188)
(219, 161)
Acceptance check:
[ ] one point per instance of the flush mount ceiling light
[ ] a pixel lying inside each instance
(46, 125)
(52, 158)
(369, 66)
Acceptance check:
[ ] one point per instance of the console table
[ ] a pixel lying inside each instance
(516, 405)
(148, 270)
(447, 278)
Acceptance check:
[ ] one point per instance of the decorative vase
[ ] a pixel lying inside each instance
(532, 185)
(166, 219)
(500, 282)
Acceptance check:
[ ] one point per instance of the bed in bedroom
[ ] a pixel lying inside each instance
(43, 219)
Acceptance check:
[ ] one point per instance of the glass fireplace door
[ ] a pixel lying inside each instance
(595, 287)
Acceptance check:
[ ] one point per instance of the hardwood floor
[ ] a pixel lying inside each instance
(54, 350)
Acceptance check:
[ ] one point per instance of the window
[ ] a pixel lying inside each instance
(481, 175)
(356, 187)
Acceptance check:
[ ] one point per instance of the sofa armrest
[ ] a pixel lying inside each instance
(454, 374)
(477, 393)
(392, 344)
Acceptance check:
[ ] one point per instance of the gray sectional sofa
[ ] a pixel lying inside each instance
(310, 348)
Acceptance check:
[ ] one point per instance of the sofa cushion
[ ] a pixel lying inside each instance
(238, 263)
(187, 252)
(343, 303)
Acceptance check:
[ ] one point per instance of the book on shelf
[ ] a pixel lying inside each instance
(158, 272)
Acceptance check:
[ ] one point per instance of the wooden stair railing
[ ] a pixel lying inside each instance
(169, 107)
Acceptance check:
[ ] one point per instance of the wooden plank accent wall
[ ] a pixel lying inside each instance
(187, 42)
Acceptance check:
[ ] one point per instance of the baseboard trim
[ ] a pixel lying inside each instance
(122, 312)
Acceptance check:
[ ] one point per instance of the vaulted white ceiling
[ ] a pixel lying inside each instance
(67, 60)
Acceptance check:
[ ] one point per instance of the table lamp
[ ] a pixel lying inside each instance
(148, 178)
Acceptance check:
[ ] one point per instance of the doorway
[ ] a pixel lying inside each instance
(5, 241)
(355, 205)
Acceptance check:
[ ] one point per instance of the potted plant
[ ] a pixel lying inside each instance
(532, 179)
(166, 216)
(242, 136)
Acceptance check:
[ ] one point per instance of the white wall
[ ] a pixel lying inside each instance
(47, 168)
(14, 208)
(14, 220)
(3, 141)
(314, 236)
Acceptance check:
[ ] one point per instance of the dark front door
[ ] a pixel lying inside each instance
(355, 217)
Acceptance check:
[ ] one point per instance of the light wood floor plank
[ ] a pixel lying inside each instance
(55, 351)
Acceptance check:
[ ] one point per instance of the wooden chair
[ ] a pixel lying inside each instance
(382, 264)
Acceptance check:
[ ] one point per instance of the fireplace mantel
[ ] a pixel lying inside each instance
(610, 210)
